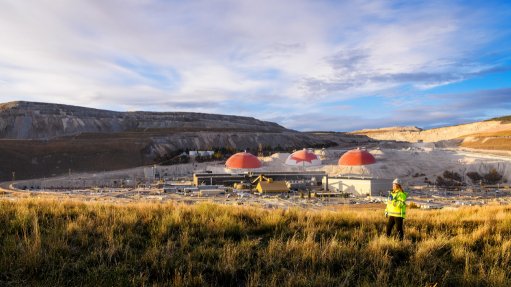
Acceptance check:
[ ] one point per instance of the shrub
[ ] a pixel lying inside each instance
(492, 177)
(449, 179)
(475, 177)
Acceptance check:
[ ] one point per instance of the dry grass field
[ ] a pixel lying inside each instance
(45, 242)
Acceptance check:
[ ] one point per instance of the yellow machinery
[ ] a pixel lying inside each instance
(262, 178)
(267, 185)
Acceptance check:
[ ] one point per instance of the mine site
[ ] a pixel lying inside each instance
(255, 143)
(441, 168)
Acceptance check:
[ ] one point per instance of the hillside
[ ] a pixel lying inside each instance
(494, 134)
(39, 139)
(51, 243)
(29, 120)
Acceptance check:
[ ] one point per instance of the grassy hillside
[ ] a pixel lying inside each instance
(500, 140)
(49, 243)
(504, 119)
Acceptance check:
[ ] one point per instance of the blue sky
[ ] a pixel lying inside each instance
(308, 65)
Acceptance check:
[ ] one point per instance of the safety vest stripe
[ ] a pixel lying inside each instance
(398, 213)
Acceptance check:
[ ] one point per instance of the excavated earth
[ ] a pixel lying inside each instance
(41, 139)
(492, 135)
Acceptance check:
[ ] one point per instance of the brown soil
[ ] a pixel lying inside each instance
(36, 158)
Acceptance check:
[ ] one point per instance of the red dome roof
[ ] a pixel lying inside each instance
(303, 155)
(357, 157)
(303, 158)
(243, 160)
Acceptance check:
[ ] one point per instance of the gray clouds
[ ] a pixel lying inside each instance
(430, 111)
(477, 100)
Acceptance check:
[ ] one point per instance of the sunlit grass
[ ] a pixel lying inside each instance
(50, 243)
(500, 143)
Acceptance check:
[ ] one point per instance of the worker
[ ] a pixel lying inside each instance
(396, 208)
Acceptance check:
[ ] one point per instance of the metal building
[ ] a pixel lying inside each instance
(358, 186)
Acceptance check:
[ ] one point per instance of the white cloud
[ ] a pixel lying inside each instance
(139, 54)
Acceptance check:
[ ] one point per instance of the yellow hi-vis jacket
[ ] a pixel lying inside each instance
(396, 205)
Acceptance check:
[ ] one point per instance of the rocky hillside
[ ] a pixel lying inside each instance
(39, 139)
(494, 134)
(28, 120)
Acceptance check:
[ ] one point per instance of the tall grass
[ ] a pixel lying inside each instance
(50, 243)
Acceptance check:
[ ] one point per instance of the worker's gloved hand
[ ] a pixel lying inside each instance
(394, 203)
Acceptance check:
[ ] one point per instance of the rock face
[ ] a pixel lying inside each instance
(391, 129)
(408, 134)
(38, 139)
(27, 120)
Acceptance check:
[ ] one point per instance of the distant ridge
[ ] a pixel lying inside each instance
(33, 120)
(42, 139)
(392, 129)
(493, 134)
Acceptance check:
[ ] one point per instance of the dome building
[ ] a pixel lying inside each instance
(358, 163)
(303, 158)
(356, 157)
(243, 160)
(359, 174)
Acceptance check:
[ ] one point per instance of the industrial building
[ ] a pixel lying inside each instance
(358, 186)
(272, 187)
(357, 174)
(355, 177)
(246, 172)
(226, 179)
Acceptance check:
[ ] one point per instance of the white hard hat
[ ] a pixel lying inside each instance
(397, 181)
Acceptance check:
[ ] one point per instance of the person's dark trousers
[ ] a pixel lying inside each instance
(399, 224)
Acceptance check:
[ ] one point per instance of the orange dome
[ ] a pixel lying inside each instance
(243, 160)
(357, 157)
